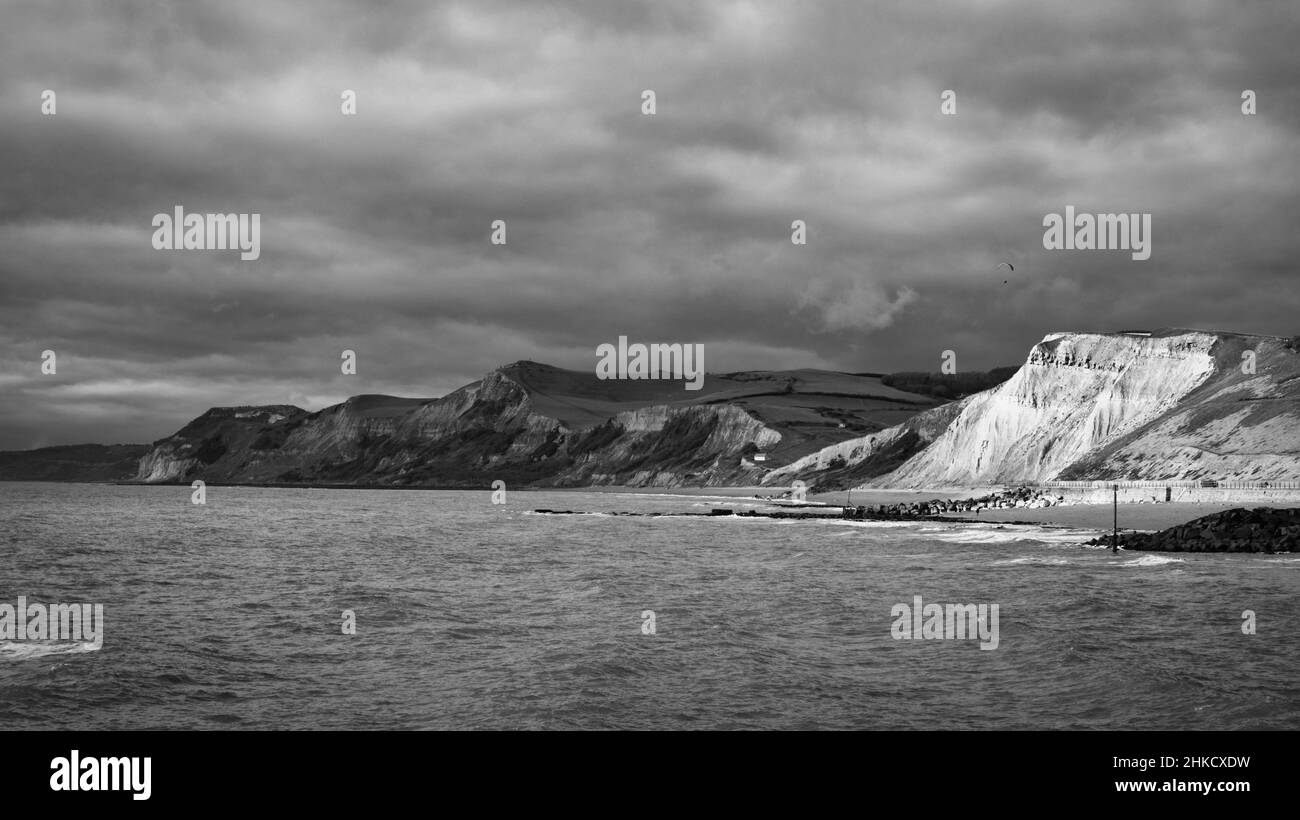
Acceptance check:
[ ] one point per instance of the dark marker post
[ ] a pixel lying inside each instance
(1115, 507)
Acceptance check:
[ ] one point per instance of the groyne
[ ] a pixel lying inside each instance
(1265, 529)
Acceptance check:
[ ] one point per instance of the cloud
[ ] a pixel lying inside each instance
(673, 227)
(861, 307)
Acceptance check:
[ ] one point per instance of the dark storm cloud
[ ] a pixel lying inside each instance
(672, 228)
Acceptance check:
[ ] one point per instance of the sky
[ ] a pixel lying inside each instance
(668, 227)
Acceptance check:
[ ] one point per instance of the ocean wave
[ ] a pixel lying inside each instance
(25, 650)
(871, 525)
(1035, 559)
(987, 534)
(1150, 561)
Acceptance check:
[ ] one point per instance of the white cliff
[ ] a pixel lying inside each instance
(1074, 393)
(1171, 405)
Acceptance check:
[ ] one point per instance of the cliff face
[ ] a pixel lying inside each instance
(529, 425)
(1086, 406)
(673, 446)
(852, 462)
(1172, 405)
(1074, 393)
(211, 438)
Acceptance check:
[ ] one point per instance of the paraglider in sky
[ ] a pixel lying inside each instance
(1010, 267)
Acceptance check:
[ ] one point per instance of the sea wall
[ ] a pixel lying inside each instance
(1204, 495)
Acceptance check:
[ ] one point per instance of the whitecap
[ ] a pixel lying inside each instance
(987, 534)
(24, 650)
(1150, 561)
(871, 525)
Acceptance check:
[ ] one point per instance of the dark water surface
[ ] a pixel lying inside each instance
(471, 615)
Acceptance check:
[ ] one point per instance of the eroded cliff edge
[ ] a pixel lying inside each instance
(1173, 404)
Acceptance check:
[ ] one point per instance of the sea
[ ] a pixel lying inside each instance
(372, 609)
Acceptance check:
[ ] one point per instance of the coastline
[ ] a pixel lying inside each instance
(1144, 517)
(1078, 515)
(1081, 515)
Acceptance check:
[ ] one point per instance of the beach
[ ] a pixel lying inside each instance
(1132, 515)
(1100, 516)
